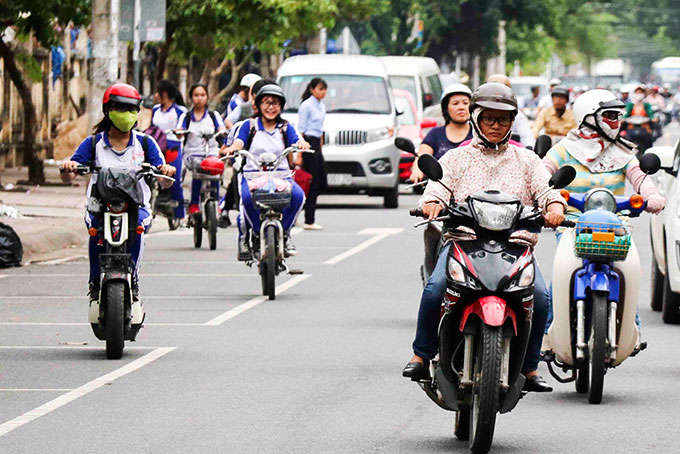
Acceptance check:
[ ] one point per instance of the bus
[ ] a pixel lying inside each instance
(667, 70)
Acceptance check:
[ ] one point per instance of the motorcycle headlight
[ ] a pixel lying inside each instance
(600, 199)
(374, 135)
(495, 216)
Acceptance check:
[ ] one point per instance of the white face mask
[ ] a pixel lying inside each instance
(638, 97)
(611, 133)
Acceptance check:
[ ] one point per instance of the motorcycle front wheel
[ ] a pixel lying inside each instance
(268, 263)
(114, 325)
(598, 351)
(211, 217)
(486, 387)
(198, 229)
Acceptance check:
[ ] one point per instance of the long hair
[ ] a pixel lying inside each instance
(172, 91)
(103, 125)
(313, 84)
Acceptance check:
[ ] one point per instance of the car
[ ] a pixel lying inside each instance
(409, 128)
(360, 124)
(522, 87)
(665, 237)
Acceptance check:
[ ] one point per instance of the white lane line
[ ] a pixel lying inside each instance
(58, 347)
(77, 393)
(144, 297)
(59, 261)
(20, 390)
(378, 234)
(87, 324)
(255, 301)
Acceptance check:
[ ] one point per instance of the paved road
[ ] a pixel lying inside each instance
(317, 370)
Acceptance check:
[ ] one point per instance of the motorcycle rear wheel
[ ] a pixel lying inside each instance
(268, 263)
(598, 352)
(211, 216)
(486, 388)
(114, 325)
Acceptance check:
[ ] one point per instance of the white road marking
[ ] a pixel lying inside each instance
(77, 393)
(19, 390)
(255, 301)
(379, 234)
(87, 324)
(143, 275)
(65, 347)
(62, 260)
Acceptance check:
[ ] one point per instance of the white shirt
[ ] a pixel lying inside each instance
(167, 119)
(195, 145)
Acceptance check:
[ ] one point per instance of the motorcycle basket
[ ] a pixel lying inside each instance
(276, 200)
(602, 241)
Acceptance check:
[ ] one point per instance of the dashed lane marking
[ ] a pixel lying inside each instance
(378, 234)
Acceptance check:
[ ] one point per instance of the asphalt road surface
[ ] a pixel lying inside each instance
(219, 369)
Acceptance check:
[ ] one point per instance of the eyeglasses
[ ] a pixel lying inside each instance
(271, 103)
(612, 115)
(489, 121)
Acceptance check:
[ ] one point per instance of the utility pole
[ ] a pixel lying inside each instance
(137, 44)
(99, 81)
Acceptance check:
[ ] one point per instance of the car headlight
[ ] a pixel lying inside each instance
(374, 135)
(600, 199)
(495, 216)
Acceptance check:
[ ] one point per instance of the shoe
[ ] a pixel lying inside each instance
(289, 249)
(536, 384)
(194, 208)
(93, 291)
(314, 226)
(135, 290)
(223, 221)
(245, 254)
(416, 370)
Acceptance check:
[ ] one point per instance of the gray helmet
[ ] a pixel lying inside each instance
(493, 95)
(560, 90)
(270, 90)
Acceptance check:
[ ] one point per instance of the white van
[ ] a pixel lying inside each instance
(360, 124)
(417, 75)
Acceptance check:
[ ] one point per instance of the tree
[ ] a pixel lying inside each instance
(33, 18)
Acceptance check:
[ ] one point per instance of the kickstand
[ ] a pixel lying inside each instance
(549, 358)
(290, 271)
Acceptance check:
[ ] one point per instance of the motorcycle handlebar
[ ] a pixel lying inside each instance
(416, 213)
(566, 223)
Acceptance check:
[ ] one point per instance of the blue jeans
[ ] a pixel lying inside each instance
(426, 345)
(176, 192)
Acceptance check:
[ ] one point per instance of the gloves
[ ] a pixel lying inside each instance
(655, 203)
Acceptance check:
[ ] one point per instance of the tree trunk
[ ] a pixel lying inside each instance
(36, 171)
(235, 70)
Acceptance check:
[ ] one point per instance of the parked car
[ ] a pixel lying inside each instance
(665, 237)
(417, 75)
(360, 124)
(409, 128)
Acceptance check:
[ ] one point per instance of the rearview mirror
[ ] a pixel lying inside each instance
(543, 144)
(666, 156)
(430, 167)
(562, 177)
(428, 122)
(650, 163)
(405, 144)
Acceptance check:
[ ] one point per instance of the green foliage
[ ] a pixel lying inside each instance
(41, 17)
(32, 67)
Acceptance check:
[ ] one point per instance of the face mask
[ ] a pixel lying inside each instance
(638, 97)
(123, 121)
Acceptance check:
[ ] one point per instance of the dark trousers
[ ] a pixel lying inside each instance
(315, 165)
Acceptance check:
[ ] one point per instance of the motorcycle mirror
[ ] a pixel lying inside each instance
(562, 177)
(543, 144)
(405, 144)
(650, 163)
(430, 167)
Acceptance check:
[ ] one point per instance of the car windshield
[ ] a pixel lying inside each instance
(345, 94)
(402, 105)
(407, 83)
(523, 89)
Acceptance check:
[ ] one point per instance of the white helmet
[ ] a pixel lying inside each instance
(456, 89)
(249, 79)
(588, 109)
(555, 81)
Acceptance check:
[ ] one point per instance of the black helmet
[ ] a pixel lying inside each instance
(493, 95)
(560, 90)
(270, 90)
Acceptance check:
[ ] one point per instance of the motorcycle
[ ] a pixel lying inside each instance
(487, 309)
(638, 130)
(271, 193)
(595, 289)
(116, 317)
(205, 168)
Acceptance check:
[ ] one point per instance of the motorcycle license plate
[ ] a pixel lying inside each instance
(339, 179)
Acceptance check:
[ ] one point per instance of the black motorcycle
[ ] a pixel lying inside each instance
(487, 309)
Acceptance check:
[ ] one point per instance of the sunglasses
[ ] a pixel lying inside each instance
(612, 115)
(489, 121)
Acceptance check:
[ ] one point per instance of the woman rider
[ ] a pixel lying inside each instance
(267, 132)
(602, 159)
(489, 162)
(455, 104)
(117, 145)
(165, 115)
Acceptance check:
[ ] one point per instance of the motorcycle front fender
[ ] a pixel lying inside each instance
(599, 282)
(492, 310)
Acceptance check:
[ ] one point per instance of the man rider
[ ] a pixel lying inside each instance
(558, 119)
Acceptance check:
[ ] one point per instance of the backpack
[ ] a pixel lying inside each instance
(93, 147)
(158, 135)
(187, 120)
(283, 126)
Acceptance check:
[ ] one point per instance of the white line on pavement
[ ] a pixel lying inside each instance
(379, 234)
(255, 301)
(143, 275)
(77, 393)
(20, 390)
(62, 260)
(58, 347)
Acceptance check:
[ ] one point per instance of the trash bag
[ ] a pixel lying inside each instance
(11, 250)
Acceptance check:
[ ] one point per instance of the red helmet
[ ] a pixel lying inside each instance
(212, 165)
(122, 94)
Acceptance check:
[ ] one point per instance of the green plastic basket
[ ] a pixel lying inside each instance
(602, 241)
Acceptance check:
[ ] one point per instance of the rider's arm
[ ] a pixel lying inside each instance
(80, 157)
(539, 123)
(645, 187)
(553, 159)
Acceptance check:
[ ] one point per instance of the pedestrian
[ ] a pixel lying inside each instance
(165, 115)
(312, 112)
(198, 120)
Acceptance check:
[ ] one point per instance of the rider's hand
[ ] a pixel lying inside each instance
(416, 174)
(431, 210)
(302, 144)
(70, 165)
(554, 215)
(167, 170)
(298, 160)
(655, 203)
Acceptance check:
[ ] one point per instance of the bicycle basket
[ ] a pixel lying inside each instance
(276, 200)
(602, 241)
